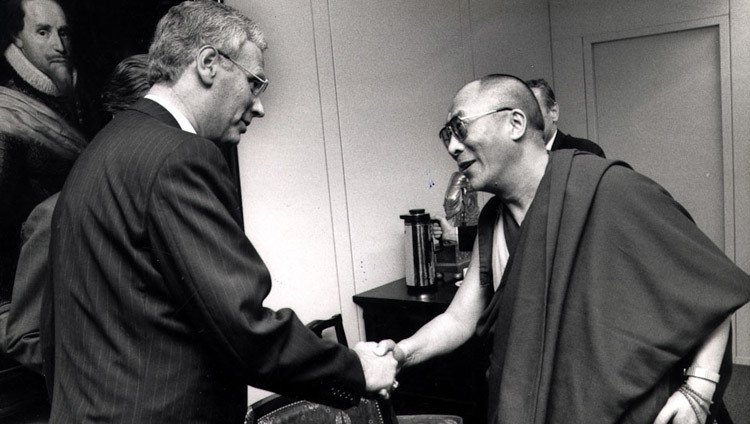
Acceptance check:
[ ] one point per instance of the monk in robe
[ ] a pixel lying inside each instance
(596, 295)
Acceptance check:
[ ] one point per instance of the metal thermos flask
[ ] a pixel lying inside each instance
(420, 259)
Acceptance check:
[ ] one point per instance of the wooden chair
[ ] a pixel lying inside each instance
(279, 409)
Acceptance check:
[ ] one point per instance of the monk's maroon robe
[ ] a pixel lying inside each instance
(610, 290)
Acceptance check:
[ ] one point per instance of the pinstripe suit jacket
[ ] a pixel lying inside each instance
(157, 293)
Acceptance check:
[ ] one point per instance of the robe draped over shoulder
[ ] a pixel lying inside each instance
(611, 289)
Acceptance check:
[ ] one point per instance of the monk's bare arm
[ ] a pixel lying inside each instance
(709, 357)
(450, 329)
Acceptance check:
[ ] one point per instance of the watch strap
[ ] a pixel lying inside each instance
(703, 374)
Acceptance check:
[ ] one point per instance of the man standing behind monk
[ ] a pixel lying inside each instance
(591, 287)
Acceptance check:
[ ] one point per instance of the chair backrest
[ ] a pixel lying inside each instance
(320, 325)
(279, 409)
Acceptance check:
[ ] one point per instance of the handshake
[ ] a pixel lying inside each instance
(380, 364)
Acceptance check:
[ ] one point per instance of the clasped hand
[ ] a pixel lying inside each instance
(380, 364)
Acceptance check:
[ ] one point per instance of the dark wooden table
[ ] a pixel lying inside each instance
(450, 384)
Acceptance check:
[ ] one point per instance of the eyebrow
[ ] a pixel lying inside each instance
(48, 27)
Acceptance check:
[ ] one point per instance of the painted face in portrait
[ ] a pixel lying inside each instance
(45, 41)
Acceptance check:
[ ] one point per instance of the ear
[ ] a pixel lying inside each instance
(554, 112)
(18, 42)
(206, 64)
(518, 123)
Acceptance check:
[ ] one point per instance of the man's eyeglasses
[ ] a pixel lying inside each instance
(458, 126)
(259, 85)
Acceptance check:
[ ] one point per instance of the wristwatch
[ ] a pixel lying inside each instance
(703, 374)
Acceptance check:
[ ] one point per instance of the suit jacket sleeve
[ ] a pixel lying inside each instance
(212, 269)
(23, 327)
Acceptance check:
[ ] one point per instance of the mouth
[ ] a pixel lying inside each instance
(60, 59)
(463, 166)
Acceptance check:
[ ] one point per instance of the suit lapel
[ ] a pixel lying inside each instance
(559, 140)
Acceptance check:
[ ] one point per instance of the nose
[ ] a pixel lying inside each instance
(59, 43)
(455, 147)
(256, 109)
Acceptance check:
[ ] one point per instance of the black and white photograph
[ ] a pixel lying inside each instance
(376, 212)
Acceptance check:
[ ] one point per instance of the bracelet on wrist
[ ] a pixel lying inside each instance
(703, 374)
(695, 393)
(696, 404)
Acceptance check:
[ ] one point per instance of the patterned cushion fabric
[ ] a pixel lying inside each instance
(429, 419)
(304, 412)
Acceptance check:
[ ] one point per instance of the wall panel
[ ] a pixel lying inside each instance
(576, 18)
(658, 107)
(285, 195)
(511, 37)
(397, 66)
(740, 80)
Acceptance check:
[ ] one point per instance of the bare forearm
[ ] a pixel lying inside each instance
(453, 327)
(441, 335)
(691, 402)
(709, 356)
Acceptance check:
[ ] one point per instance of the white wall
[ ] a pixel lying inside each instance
(283, 168)
(396, 63)
(739, 16)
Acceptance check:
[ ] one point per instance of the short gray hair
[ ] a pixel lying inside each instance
(191, 25)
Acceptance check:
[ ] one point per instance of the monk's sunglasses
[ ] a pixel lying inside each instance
(259, 85)
(458, 126)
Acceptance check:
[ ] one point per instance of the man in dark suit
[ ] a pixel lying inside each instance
(157, 293)
(555, 138)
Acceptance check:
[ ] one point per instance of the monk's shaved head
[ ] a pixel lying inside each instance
(505, 88)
